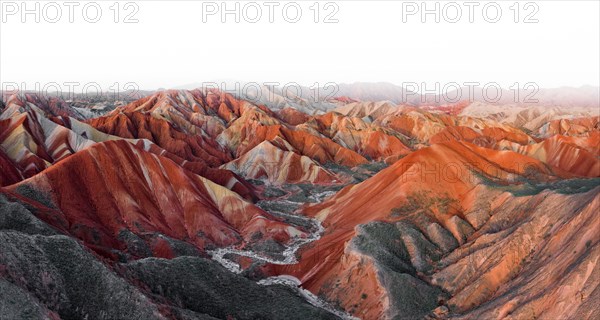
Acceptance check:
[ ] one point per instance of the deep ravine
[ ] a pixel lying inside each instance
(289, 255)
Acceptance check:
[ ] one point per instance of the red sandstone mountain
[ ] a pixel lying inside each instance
(485, 211)
(190, 123)
(269, 161)
(115, 188)
(437, 200)
(9, 173)
(34, 141)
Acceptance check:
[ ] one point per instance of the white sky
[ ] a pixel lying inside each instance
(171, 46)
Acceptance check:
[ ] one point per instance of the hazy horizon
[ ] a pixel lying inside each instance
(230, 84)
